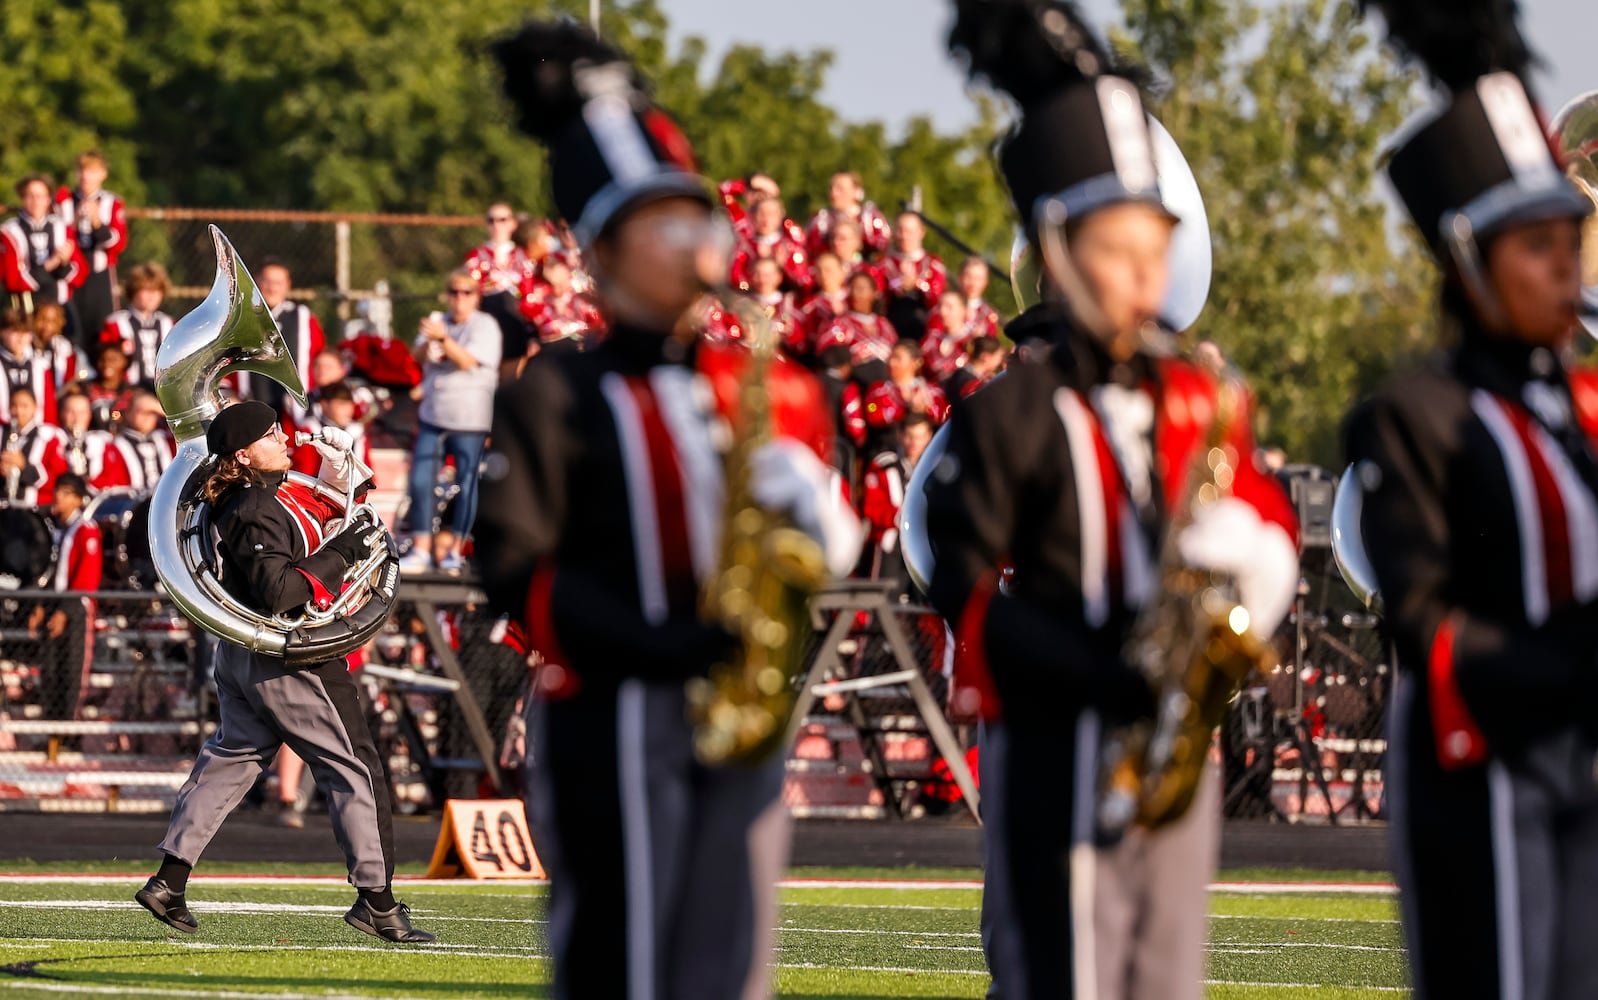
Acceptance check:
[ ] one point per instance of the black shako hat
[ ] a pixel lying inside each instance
(1482, 165)
(1485, 162)
(610, 149)
(1082, 142)
(239, 426)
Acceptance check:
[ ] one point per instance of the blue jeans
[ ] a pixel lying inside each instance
(432, 444)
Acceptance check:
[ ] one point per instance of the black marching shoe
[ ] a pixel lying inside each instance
(167, 906)
(392, 925)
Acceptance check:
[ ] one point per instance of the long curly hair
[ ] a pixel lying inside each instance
(227, 474)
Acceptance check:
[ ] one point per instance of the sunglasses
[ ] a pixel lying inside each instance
(454, 292)
(501, 218)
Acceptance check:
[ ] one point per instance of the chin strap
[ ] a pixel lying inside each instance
(1460, 238)
(1059, 266)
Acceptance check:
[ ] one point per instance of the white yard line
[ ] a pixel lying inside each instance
(1306, 920)
(1230, 888)
(188, 991)
(1305, 986)
(1305, 888)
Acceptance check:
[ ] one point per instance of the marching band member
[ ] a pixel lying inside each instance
(949, 335)
(499, 267)
(281, 546)
(140, 328)
(39, 257)
(1480, 519)
(846, 243)
(67, 363)
(98, 222)
(769, 239)
(561, 314)
(1070, 469)
(973, 284)
(110, 393)
(145, 445)
(902, 393)
(80, 450)
(738, 197)
(65, 622)
(986, 359)
(863, 329)
(301, 330)
(24, 367)
(846, 202)
(336, 407)
(28, 442)
(916, 278)
(787, 324)
(596, 533)
(828, 300)
(882, 490)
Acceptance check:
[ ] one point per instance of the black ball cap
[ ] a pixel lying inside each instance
(239, 426)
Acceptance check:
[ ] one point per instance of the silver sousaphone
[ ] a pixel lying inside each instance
(233, 331)
(1190, 267)
(1575, 134)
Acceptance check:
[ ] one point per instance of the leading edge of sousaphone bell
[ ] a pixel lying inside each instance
(233, 331)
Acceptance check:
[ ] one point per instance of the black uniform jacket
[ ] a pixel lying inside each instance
(269, 534)
(590, 530)
(1481, 523)
(1029, 481)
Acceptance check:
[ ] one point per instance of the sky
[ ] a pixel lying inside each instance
(891, 62)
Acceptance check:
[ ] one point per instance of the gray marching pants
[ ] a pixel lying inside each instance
(1149, 896)
(317, 713)
(662, 871)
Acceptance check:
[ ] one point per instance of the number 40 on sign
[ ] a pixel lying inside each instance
(484, 838)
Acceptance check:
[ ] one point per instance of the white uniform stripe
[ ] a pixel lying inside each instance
(1528, 515)
(299, 525)
(1090, 506)
(638, 871)
(1137, 569)
(1083, 857)
(681, 394)
(1506, 881)
(1581, 517)
(63, 566)
(640, 497)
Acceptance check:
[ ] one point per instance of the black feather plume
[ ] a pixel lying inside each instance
(1028, 48)
(552, 68)
(1457, 41)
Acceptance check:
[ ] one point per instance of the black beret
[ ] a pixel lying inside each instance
(239, 426)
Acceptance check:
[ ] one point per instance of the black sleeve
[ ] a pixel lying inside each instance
(1512, 678)
(257, 535)
(521, 512)
(599, 631)
(972, 509)
(100, 237)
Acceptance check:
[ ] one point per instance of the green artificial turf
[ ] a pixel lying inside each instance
(86, 937)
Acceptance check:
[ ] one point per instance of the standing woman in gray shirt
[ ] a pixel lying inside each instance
(459, 352)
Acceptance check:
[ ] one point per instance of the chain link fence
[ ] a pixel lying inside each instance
(337, 260)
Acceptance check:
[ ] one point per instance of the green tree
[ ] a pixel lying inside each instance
(1281, 110)
(60, 74)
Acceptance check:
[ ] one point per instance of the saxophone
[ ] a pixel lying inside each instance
(759, 592)
(1193, 645)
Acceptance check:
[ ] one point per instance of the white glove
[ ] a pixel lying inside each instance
(334, 437)
(1229, 536)
(786, 476)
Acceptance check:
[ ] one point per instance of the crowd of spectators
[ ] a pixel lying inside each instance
(896, 337)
